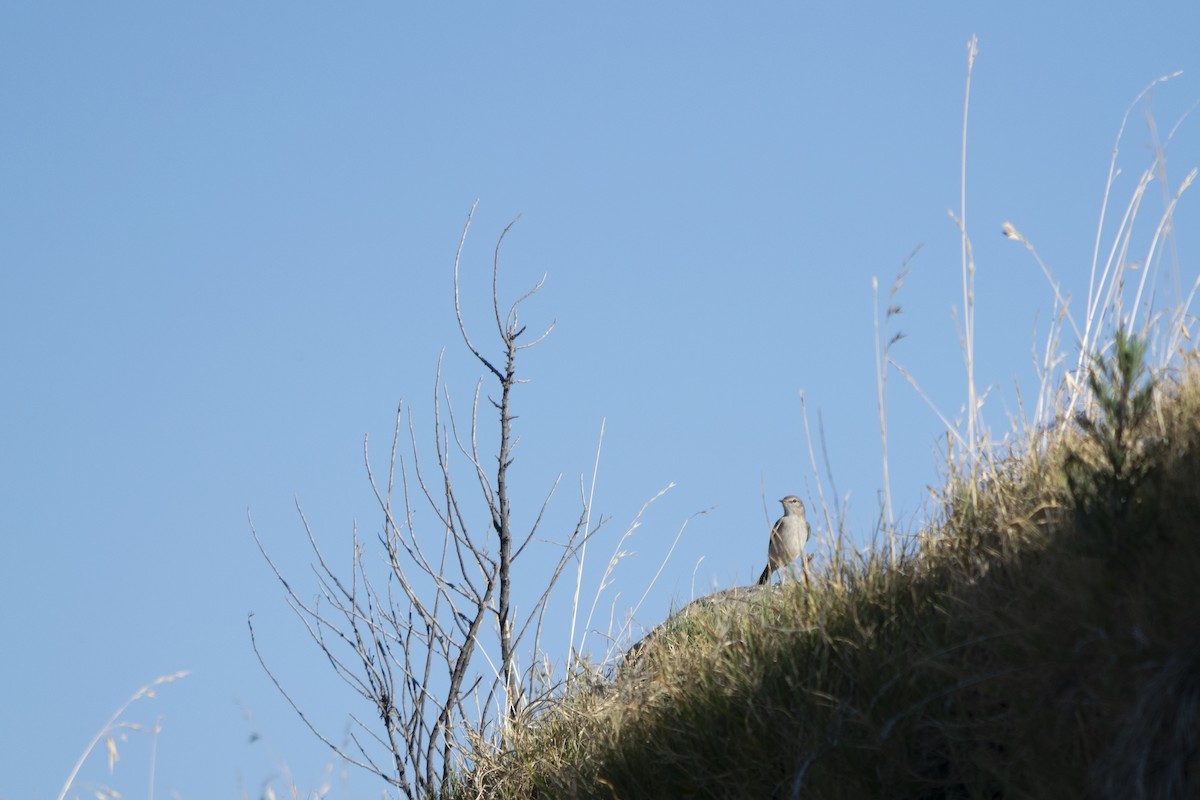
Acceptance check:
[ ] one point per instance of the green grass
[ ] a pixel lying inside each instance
(1039, 638)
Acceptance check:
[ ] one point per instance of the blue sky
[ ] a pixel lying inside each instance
(227, 247)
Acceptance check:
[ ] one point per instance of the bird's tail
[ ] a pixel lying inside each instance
(766, 576)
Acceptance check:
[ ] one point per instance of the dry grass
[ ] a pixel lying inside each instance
(1036, 639)
(1033, 643)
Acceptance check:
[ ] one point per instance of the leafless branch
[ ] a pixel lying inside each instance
(413, 634)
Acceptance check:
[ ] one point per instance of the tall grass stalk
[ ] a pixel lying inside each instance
(881, 400)
(619, 553)
(591, 494)
(812, 457)
(883, 358)
(968, 275)
(114, 724)
(1094, 317)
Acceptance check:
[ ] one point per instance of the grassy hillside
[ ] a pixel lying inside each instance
(1041, 638)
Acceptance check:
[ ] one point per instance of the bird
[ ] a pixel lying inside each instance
(788, 536)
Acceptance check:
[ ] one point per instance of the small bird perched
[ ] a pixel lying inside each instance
(788, 535)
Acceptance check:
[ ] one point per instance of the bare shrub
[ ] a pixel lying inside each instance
(431, 644)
